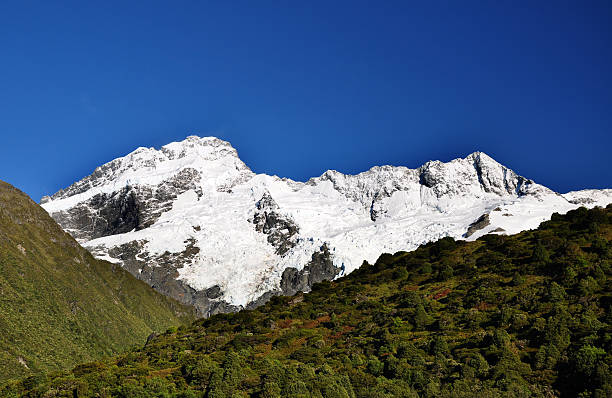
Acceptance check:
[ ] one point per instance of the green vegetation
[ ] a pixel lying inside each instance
(58, 305)
(505, 316)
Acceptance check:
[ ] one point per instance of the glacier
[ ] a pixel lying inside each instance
(196, 223)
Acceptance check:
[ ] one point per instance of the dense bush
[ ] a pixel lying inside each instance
(527, 315)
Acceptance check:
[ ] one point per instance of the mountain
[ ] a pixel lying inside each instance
(525, 315)
(193, 221)
(59, 306)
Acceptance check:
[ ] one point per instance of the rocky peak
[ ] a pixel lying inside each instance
(475, 174)
(378, 182)
(213, 158)
(494, 177)
(209, 148)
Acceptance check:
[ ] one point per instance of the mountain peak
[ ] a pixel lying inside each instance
(476, 172)
(478, 155)
(481, 158)
(192, 209)
(209, 148)
(196, 143)
(214, 159)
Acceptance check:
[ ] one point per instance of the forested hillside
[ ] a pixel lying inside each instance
(58, 305)
(504, 316)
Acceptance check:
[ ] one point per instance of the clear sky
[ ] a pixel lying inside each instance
(299, 87)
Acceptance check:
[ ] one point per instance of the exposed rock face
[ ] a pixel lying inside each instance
(129, 208)
(477, 225)
(320, 268)
(115, 213)
(281, 230)
(161, 273)
(193, 221)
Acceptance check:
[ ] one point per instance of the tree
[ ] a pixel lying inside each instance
(216, 385)
(439, 347)
(556, 292)
(540, 254)
(587, 358)
(446, 273)
(421, 318)
(270, 390)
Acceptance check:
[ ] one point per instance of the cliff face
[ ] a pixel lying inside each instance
(193, 221)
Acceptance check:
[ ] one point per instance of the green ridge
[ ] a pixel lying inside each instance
(505, 316)
(58, 305)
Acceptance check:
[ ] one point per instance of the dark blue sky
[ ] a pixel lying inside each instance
(301, 87)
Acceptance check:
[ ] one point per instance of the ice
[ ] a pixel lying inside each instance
(384, 209)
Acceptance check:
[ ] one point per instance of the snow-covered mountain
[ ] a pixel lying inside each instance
(196, 223)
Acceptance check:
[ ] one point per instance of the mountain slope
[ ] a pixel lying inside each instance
(192, 220)
(526, 315)
(58, 305)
